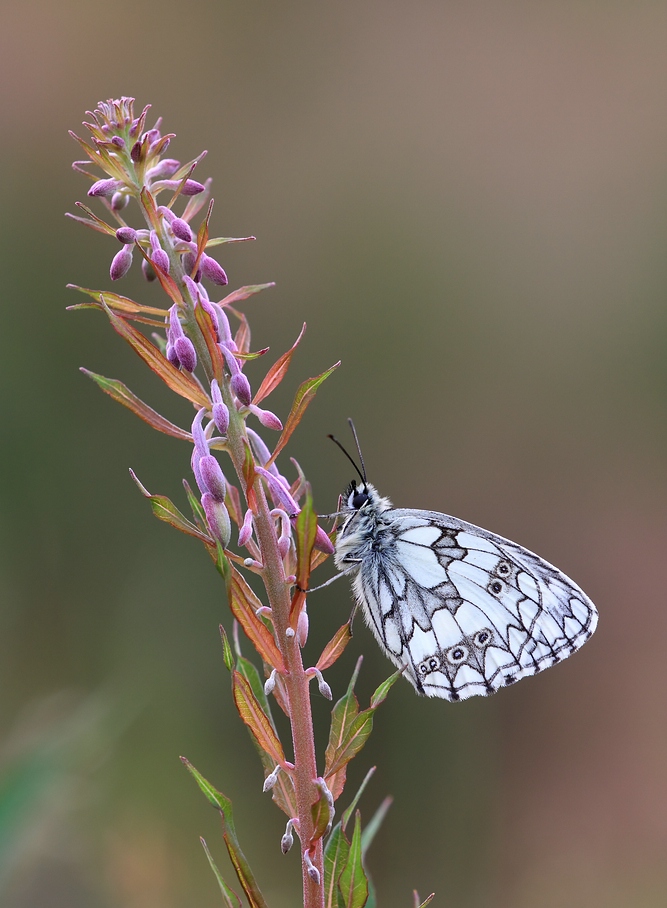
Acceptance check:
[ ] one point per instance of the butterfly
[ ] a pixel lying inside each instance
(463, 611)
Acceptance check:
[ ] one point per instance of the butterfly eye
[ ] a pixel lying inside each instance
(457, 654)
(504, 568)
(359, 498)
(495, 587)
(482, 638)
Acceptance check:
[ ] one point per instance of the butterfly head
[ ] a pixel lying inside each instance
(356, 496)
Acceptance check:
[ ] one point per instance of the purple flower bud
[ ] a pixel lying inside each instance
(267, 418)
(213, 271)
(241, 387)
(279, 492)
(105, 187)
(181, 229)
(161, 259)
(121, 263)
(194, 463)
(246, 529)
(217, 518)
(302, 638)
(221, 418)
(147, 271)
(261, 452)
(126, 235)
(190, 187)
(119, 200)
(212, 477)
(166, 168)
(198, 435)
(185, 351)
(224, 329)
(151, 135)
(118, 141)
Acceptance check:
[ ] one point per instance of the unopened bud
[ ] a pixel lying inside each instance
(118, 141)
(121, 263)
(184, 349)
(105, 188)
(241, 387)
(126, 235)
(217, 518)
(119, 200)
(270, 683)
(271, 779)
(213, 271)
(135, 152)
(325, 690)
(166, 168)
(322, 542)
(246, 528)
(302, 639)
(189, 187)
(189, 259)
(181, 229)
(213, 477)
(161, 259)
(311, 869)
(286, 842)
(221, 417)
(170, 352)
(267, 418)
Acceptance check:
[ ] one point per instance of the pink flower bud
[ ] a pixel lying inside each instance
(221, 417)
(213, 271)
(181, 229)
(198, 436)
(105, 188)
(161, 259)
(135, 152)
(279, 492)
(188, 264)
(126, 235)
(241, 387)
(246, 529)
(217, 518)
(302, 637)
(118, 141)
(184, 349)
(121, 263)
(267, 418)
(170, 352)
(322, 542)
(119, 200)
(166, 168)
(190, 187)
(212, 477)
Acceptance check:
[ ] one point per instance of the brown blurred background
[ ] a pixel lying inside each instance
(467, 202)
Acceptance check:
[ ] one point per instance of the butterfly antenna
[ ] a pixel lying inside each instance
(347, 454)
(361, 456)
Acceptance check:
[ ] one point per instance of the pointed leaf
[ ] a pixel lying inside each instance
(320, 815)
(227, 654)
(303, 397)
(98, 223)
(353, 883)
(254, 717)
(178, 381)
(165, 509)
(347, 813)
(277, 371)
(383, 689)
(377, 820)
(236, 296)
(124, 396)
(229, 897)
(336, 854)
(357, 734)
(224, 805)
(427, 900)
(244, 604)
(219, 240)
(118, 303)
(334, 648)
(167, 282)
(305, 531)
(196, 508)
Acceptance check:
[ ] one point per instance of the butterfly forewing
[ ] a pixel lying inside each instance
(465, 611)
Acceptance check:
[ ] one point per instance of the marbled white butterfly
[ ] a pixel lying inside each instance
(463, 610)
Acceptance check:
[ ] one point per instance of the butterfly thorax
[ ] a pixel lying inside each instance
(367, 530)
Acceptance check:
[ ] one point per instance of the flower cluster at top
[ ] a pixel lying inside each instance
(199, 355)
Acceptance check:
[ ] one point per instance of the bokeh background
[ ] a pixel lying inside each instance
(467, 203)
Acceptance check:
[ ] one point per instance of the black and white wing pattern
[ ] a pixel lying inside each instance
(466, 611)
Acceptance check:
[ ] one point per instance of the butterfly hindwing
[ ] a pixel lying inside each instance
(464, 610)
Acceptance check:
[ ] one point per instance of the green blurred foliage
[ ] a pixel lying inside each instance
(467, 203)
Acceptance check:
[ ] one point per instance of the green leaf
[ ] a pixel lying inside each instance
(165, 509)
(336, 854)
(345, 819)
(236, 296)
(353, 883)
(124, 396)
(334, 648)
(356, 735)
(229, 897)
(377, 820)
(195, 506)
(380, 694)
(305, 393)
(224, 805)
(244, 604)
(227, 654)
(306, 530)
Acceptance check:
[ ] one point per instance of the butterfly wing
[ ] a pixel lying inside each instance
(466, 611)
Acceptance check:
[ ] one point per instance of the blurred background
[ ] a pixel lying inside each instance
(467, 203)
